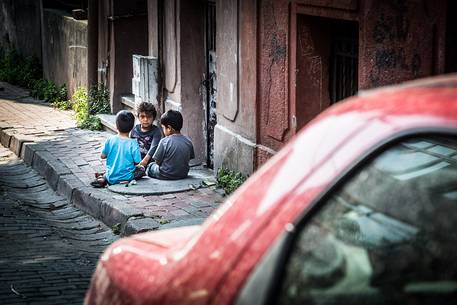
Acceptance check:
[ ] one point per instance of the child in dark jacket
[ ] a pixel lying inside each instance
(146, 133)
(174, 150)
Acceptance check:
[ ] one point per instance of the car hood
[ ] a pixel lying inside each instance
(121, 276)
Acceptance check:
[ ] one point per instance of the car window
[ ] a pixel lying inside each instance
(387, 236)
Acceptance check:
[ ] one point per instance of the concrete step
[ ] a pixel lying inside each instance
(128, 102)
(108, 122)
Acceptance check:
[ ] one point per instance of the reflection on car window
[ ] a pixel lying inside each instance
(386, 237)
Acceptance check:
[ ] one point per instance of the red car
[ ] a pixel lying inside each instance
(359, 208)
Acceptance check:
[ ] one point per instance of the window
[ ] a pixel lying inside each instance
(385, 237)
(344, 61)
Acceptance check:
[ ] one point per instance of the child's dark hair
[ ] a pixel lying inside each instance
(147, 108)
(173, 119)
(124, 121)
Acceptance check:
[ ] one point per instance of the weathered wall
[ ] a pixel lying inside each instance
(398, 41)
(274, 107)
(64, 49)
(20, 24)
(401, 40)
(184, 66)
(236, 45)
(192, 68)
(171, 50)
(128, 27)
(153, 30)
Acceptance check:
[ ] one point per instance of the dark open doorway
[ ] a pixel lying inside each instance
(326, 64)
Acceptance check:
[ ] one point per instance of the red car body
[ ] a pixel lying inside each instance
(209, 264)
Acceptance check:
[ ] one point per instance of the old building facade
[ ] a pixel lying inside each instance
(247, 75)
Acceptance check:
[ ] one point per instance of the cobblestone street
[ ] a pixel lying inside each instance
(48, 249)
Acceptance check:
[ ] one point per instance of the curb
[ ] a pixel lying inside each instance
(95, 202)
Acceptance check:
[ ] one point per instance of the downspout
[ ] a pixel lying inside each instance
(160, 30)
(92, 43)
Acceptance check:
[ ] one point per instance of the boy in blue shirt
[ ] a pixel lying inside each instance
(121, 153)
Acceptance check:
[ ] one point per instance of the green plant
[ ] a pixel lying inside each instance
(99, 99)
(91, 122)
(44, 89)
(229, 180)
(80, 105)
(116, 228)
(17, 69)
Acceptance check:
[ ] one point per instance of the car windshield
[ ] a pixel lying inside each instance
(385, 237)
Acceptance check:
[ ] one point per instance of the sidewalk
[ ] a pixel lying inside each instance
(48, 140)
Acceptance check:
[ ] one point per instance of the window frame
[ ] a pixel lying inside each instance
(288, 238)
(320, 201)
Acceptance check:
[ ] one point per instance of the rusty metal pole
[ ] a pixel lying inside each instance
(92, 43)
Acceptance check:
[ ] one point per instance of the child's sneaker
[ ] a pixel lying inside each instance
(99, 183)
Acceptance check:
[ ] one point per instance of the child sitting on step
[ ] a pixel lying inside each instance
(121, 153)
(171, 159)
(146, 133)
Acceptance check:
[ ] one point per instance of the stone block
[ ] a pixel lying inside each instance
(28, 150)
(115, 211)
(5, 137)
(233, 151)
(137, 225)
(81, 198)
(183, 223)
(49, 167)
(66, 185)
(17, 141)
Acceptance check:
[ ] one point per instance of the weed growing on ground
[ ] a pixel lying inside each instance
(229, 180)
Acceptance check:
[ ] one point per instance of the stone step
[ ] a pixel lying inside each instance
(108, 122)
(128, 102)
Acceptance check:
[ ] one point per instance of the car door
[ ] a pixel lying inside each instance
(384, 234)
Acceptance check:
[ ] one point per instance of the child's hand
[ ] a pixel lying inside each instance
(145, 160)
(139, 165)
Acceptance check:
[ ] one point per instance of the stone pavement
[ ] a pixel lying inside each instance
(48, 141)
(48, 248)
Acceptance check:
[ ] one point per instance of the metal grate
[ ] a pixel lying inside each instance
(344, 62)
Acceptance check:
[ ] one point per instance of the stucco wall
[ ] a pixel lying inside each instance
(64, 49)
(20, 26)
(236, 45)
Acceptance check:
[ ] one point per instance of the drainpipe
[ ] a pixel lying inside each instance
(92, 43)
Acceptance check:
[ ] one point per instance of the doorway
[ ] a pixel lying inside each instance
(326, 64)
